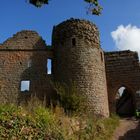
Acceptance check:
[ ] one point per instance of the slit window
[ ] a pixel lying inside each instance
(101, 56)
(29, 63)
(49, 66)
(25, 86)
(73, 41)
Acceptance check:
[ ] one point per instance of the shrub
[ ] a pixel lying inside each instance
(100, 129)
(96, 129)
(16, 123)
(47, 121)
(69, 98)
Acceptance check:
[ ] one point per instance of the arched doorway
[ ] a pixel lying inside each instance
(124, 102)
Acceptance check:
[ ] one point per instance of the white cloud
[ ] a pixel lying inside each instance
(127, 38)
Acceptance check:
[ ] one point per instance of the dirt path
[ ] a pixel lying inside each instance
(129, 129)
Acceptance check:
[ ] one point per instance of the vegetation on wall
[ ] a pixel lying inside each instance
(69, 98)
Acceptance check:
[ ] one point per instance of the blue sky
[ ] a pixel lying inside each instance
(16, 15)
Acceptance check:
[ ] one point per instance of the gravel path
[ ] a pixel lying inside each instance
(129, 129)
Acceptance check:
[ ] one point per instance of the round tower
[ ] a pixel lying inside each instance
(79, 58)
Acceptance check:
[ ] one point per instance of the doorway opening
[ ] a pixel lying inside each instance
(124, 102)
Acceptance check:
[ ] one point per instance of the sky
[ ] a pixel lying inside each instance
(119, 24)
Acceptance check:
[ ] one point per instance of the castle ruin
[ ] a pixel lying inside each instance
(76, 56)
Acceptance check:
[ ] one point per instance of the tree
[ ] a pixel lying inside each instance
(94, 7)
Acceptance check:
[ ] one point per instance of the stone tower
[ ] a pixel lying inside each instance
(79, 58)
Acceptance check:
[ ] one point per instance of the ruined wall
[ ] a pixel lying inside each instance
(78, 58)
(122, 69)
(23, 57)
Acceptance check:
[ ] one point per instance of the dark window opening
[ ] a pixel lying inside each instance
(25, 86)
(62, 43)
(3, 62)
(49, 66)
(101, 56)
(26, 37)
(73, 41)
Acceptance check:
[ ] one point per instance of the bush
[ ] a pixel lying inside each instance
(70, 99)
(16, 123)
(96, 129)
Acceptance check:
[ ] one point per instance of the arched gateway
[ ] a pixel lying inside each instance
(123, 70)
(124, 100)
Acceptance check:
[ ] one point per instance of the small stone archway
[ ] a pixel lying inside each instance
(124, 101)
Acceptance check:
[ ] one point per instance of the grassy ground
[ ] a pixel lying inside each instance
(39, 123)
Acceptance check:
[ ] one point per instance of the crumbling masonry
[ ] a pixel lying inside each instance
(76, 56)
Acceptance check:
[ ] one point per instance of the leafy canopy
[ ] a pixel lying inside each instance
(94, 7)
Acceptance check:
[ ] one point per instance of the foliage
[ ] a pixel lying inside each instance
(94, 7)
(69, 98)
(16, 123)
(33, 103)
(35, 122)
(42, 123)
(38, 3)
(96, 129)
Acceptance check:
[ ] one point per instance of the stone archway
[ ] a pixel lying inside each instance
(125, 102)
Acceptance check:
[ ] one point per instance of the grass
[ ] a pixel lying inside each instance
(17, 123)
(42, 123)
(33, 121)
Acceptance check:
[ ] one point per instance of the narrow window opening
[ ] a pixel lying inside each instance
(101, 56)
(49, 66)
(3, 62)
(29, 63)
(25, 86)
(73, 41)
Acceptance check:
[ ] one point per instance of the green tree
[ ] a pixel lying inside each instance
(94, 7)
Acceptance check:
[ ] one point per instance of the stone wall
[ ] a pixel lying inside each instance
(24, 40)
(24, 57)
(76, 55)
(78, 58)
(122, 69)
